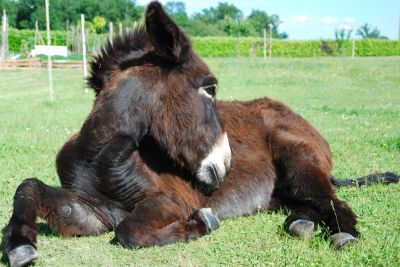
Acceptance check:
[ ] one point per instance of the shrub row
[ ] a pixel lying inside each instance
(227, 47)
(23, 41)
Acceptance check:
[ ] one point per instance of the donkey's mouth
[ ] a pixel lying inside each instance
(210, 179)
(208, 188)
(216, 164)
(218, 178)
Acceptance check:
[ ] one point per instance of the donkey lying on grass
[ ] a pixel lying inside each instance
(150, 160)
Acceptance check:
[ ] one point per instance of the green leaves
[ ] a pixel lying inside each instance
(24, 13)
(366, 32)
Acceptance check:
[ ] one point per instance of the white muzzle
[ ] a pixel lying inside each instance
(216, 165)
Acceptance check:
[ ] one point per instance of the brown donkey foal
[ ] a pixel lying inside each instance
(150, 160)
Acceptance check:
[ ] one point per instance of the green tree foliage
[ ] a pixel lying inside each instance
(366, 32)
(228, 10)
(11, 9)
(99, 23)
(24, 13)
(198, 27)
(229, 19)
(216, 14)
(232, 27)
(260, 20)
(341, 37)
(177, 10)
(221, 20)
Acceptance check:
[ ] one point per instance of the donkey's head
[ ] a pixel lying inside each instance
(168, 93)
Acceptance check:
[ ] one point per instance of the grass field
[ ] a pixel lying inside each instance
(355, 103)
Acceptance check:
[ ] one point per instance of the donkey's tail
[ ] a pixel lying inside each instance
(378, 178)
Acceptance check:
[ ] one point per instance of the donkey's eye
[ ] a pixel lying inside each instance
(209, 90)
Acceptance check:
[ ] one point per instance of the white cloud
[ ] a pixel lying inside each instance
(301, 18)
(345, 27)
(348, 20)
(328, 20)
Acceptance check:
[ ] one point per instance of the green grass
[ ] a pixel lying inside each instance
(355, 103)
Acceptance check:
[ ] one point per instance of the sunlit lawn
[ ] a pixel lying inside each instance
(355, 103)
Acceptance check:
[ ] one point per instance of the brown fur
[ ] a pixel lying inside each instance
(131, 168)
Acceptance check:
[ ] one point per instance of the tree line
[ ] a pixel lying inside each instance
(222, 20)
(23, 14)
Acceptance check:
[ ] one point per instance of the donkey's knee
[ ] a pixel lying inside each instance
(26, 204)
(127, 235)
(28, 188)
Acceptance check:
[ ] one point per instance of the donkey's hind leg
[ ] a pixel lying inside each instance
(322, 204)
(161, 221)
(307, 181)
(62, 211)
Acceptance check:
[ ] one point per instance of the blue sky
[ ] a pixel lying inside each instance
(314, 19)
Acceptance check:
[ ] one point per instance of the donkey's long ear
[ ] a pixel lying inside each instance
(168, 40)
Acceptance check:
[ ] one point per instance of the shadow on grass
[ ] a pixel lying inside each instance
(114, 242)
(45, 230)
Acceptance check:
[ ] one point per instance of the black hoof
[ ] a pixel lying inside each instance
(342, 239)
(22, 255)
(209, 219)
(301, 228)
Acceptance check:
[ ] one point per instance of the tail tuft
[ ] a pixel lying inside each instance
(383, 178)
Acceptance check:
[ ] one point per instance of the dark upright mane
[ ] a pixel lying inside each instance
(129, 45)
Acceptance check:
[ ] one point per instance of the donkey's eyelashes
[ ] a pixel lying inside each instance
(206, 80)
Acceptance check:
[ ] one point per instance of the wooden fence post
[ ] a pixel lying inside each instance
(120, 29)
(265, 45)
(270, 41)
(67, 35)
(36, 32)
(84, 49)
(4, 43)
(238, 44)
(49, 62)
(111, 33)
(238, 37)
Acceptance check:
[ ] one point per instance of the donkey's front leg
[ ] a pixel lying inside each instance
(160, 221)
(65, 213)
(22, 229)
